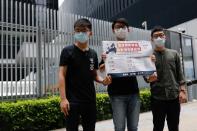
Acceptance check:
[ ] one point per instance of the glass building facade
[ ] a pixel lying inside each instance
(184, 45)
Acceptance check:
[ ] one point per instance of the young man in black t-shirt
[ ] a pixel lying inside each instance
(77, 72)
(123, 91)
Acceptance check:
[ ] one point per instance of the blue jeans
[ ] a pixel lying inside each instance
(125, 109)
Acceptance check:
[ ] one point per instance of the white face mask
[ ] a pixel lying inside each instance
(159, 42)
(121, 33)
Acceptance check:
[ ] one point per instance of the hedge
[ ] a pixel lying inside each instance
(40, 114)
(103, 107)
(145, 100)
(44, 114)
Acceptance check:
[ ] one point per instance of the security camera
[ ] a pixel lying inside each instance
(144, 24)
(182, 30)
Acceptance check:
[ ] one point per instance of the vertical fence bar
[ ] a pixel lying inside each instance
(43, 52)
(68, 40)
(72, 18)
(38, 52)
(45, 57)
(66, 30)
(29, 51)
(33, 49)
(97, 36)
(16, 45)
(70, 28)
(55, 52)
(24, 46)
(11, 49)
(60, 28)
(94, 22)
(20, 48)
(98, 44)
(40, 55)
(51, 45)
(7, 44)
(2, 43)
(48, 41)
(36, 56)
(58, 48)
(52, 49)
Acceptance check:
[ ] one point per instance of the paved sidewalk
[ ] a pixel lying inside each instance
(188, 120)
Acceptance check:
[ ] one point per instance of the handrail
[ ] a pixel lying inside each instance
(191, 82)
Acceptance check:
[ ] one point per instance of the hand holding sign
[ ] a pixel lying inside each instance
(128, 58)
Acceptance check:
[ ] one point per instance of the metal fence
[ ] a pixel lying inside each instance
(31, 39)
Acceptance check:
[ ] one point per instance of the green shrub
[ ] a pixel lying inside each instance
(44, 114)
(145, 100)
(40, 114)
(103, 107)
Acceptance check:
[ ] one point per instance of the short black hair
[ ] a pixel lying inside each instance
(120, 20)
(156, 29)
(83, 22)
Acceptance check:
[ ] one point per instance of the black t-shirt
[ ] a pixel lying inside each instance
(79, 77)
(122, 85)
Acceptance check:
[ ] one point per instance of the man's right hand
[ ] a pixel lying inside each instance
(153, 58)
(152, 77)
(65, 106)
(107, 80)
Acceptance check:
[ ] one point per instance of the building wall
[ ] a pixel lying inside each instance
(166, 13)
(195, 56)
(190, 27)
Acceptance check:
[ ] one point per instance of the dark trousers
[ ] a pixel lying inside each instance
(86, 112)
(169, 110)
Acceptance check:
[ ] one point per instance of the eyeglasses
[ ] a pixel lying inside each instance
(161, 35)
(120, 26)
(79, 29)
